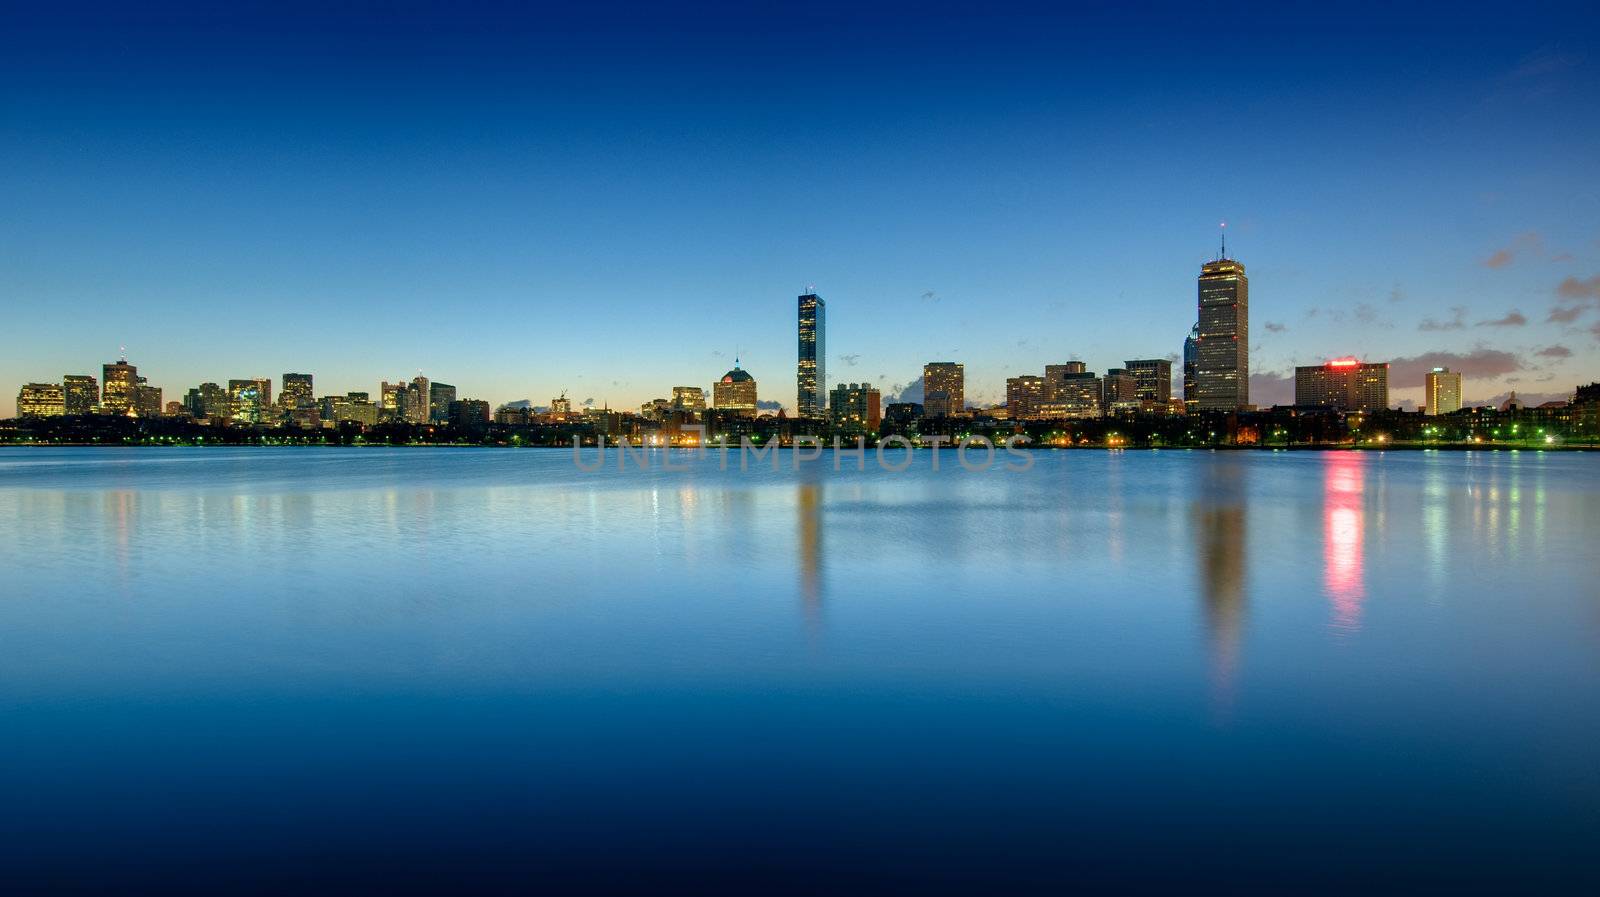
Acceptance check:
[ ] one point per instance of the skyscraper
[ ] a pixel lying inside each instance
(119, 388)
(1191, 361)
(440, 395)
(1443, 388)
(944, 389)
(80, 392)
(1222, 374)
(246, 402)
(297, 392)
(812, 372)
(417, 395)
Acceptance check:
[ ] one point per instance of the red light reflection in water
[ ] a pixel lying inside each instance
(1342, 528)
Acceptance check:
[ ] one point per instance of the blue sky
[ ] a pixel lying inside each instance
(614, 201)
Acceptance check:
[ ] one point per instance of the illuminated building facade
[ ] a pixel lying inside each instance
(1070, 392)
(41, 400)
(1152, 379)
(736, 392)
(561, 405)
(246, 402)
(1024, 396)
(1443, 391)
(354, 407)
(80, 392)
(209, 401)
(688, 398)
(856, 408)
(416, 401)
(944, 388)
(1222, 368)
(119, 387)
(1120, 391)
(1344, 383)
(147, 400)
(297, 392)
(812, 373)
(392, 401)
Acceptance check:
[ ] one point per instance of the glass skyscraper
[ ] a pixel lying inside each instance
(1191, 361)
(812, 372)
(1222, 373)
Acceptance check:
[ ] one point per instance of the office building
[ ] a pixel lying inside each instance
(736, 392)
(855, 408)
(1344, 383)
(943, 388)
(354, 407)
(147, 399)
(208, 401)
(119, 387)
(812, 373)
(80, 392)
(417, 397)
(1152, 379)
(688, 398)
(297, 392)
(1120, 391)
(1222, 371)
(41, 400)
(392, 399)
(1442, 388)
(1025, 396)
(440, 395)
(246, 402)
(470, 414)
(1070, 392)
(1191, 363)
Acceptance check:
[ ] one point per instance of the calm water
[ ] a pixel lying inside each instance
(441, 670)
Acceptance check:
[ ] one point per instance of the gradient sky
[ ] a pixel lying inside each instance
(611, 200)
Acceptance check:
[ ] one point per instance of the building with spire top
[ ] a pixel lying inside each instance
(1222, 347)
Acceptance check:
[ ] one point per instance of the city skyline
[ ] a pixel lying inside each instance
(934, 188)
(1223, 302)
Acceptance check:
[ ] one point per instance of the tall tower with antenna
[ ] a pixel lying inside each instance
(1222, 346)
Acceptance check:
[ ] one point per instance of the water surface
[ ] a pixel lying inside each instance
(429, 670)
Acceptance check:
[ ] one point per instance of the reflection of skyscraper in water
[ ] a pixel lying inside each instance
(1343, 530)
(1219, 522)
(808, 543)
